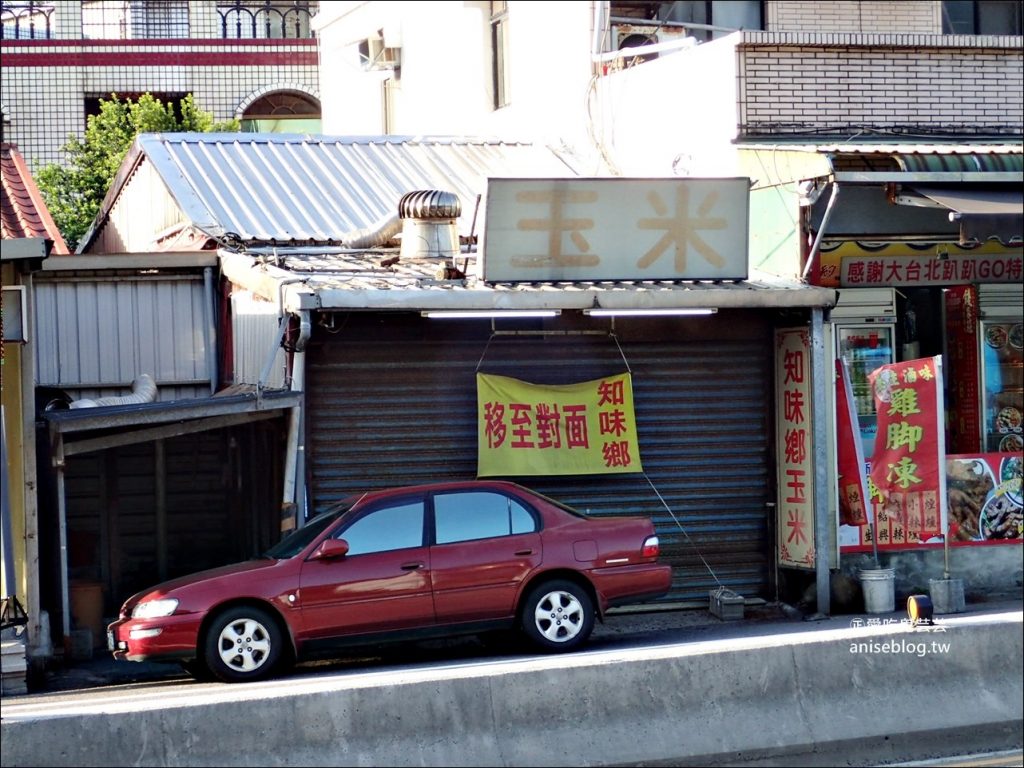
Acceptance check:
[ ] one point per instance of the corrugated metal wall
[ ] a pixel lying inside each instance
(254, 328)
(95, 335)
(393, 401)
(135, 228)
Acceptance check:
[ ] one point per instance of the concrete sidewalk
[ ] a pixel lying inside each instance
(689, 689)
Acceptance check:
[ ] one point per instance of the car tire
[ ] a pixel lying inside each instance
(197, 670)
(558, 616)
(243, 644)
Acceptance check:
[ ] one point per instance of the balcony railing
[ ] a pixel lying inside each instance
(134, 20)
(266, 20)
(27, 21)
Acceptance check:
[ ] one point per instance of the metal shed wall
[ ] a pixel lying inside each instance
(95, 335)
(392, 400)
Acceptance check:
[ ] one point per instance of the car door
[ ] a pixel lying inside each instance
(486, 544)
(381, 584)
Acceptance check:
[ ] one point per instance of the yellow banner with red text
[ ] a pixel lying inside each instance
(556, 429)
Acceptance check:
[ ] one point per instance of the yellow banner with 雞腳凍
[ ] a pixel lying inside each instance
(556, 429)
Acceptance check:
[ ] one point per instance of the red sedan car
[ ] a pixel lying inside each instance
(406, 563)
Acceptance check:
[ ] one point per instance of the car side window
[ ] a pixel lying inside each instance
(399, 526)
(479, 515)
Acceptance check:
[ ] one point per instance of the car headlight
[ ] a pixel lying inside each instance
(152, 609)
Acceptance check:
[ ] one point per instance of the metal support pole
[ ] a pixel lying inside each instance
(822, 528)
(62, 525)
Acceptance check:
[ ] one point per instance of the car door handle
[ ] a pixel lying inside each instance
(523, 552)
(411, 566)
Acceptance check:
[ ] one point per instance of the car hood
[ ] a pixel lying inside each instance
(193, 579)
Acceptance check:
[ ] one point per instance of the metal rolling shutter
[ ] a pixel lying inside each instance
(404, 411)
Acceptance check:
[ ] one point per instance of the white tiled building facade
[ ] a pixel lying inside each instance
(546, 71)
(235, 58)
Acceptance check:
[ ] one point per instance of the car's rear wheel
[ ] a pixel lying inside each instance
(558, 615)
(243, 644)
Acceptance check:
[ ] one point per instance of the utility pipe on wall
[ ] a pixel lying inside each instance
(821, 230)
(289, 502)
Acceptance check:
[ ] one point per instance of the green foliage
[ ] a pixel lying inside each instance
(75, 190)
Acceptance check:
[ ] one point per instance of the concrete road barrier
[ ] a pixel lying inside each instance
(731, 701)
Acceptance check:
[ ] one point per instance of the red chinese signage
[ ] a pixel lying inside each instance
(849, 453)
(962, 349)
(871, 272)
(906, 466)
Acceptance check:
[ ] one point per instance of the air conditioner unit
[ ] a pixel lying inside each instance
(376, 56)
(633, 35)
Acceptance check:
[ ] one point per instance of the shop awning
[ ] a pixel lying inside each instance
(983, 212)
(85, 430)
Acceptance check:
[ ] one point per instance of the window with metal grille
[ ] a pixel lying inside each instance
(134, 20)
(282, 112)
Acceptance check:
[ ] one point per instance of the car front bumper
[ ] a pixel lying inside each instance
(162, 639)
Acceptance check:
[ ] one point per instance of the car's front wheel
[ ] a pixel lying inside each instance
(558, 615)
(198, 670)
(243, 644)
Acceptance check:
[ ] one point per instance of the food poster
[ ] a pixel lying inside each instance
(794, 435)
(1003, 374)
(985, 500)
(907, 474)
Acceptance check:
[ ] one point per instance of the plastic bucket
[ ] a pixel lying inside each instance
(879, 585)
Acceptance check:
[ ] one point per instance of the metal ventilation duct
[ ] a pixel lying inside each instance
(429, 227)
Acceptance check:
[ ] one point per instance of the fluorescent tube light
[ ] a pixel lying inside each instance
(460, 313)
(647, 312)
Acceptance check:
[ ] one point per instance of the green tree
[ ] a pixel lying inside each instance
(75, 190)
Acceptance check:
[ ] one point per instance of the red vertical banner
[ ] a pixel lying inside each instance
(962, 346)
(908, 464)
(794, 448)
(849, 453)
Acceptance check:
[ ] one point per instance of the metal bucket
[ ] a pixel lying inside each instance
(879, 586)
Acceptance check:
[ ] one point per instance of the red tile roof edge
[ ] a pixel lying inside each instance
(23, 210)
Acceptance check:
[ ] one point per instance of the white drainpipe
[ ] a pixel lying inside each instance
(295, 452)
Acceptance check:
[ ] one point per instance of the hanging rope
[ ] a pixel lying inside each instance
(692, 544)
(625, 362)
(484, 353)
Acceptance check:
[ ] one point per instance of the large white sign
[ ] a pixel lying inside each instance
(616, 229)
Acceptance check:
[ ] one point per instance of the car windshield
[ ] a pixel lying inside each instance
(298, 540)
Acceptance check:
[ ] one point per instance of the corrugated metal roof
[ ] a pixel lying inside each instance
(287, 189)
(348, 281)
(989, 158)
(23, 212)
(892, 148)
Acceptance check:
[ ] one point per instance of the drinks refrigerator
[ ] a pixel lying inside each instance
(1002, 384)
(865, 347)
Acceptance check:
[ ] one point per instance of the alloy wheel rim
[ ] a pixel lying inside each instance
(559, 616)
(244, 645)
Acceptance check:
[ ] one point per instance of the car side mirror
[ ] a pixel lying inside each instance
(330, 549)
